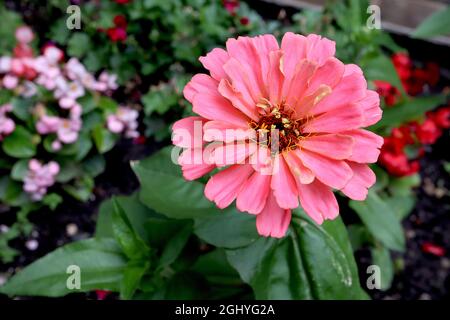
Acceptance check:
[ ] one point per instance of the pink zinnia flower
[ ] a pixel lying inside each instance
(316, 104)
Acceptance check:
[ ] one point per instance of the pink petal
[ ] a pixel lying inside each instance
(301, 174)
(329, 74)
(224, 186)
(264, 45)
(367, 144)
(352, 88)
(232, 153)
(188, 132)
(335, 146)
(246, 105)
(318, 201)
(193, 164)
(252, 198)
(370, 105)
(334, 173)
(200, 83)
(242, 81)
(363, 178)
(216, 107)
(275, 77)
(336, 120)
(273, 221)
(283, 184)
(319, 49)
(214, 62)
(223, 131)
(294, 89)
(294, 48)
(262, 161)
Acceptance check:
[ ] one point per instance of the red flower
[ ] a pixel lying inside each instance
(433, 249)
(120, 21)
(244, 21)
(102, 294)
(122, 1)
(117, 34)
(22, 50)
(231, 6)
(427, 132)
(398, 164)
(387, 91)
(441, 117)
(402, 64)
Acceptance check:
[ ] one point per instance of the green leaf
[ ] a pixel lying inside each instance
(132, 276)
(409, 110)
(215, 267)
(382, 258)
(100, 261)
(104, 139)
(380, 220)
(174, 246)
(19, 170)
(52, 200)
(19, 144)
(78, 45)
(227, 229)
(165, 190)
(94, 165)
(136, 213)
(287, 268)
(435, 25)
(133, 246)
(381, 68)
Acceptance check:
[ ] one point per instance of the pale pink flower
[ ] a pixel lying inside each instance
(10, 82)
(317, 106)
(5, 64)
(7, 125)
(124, 120)
(24, 34)
(108, 80)
(68, 130)
(39, 178)
(48, 124)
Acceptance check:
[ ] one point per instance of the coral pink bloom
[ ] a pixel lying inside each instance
(318, 105)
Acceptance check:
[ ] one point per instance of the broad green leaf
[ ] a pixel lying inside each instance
(435, 25)
(165, 190)
(287, 268)
(136, 213)
(19, 144)
(94, 165)
(174, 246)
(380, 220)
(215, 267)
(78, 45)
(132, 245)
(104, 139)
(382, 258)
(19, 170)
(132, 276)
(227, 229)
(409, 110)
(381, 68)
(101, 263)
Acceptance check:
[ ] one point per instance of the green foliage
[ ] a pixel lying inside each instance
(435, 25)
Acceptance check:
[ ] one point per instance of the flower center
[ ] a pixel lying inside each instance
(277, 128)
